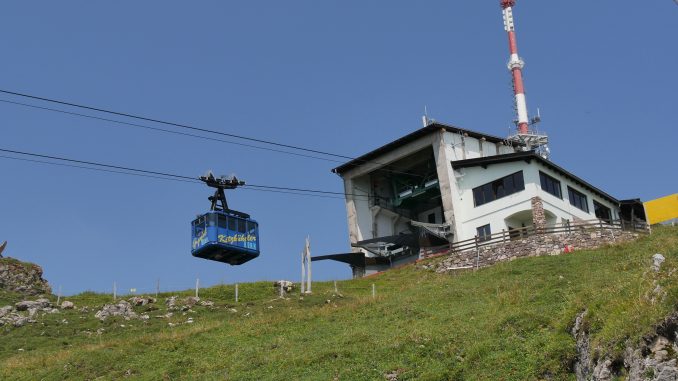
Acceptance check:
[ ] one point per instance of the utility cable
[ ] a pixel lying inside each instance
(185, 126)
(172, 124)
(196, 181)
(165, 130)
(164, 175)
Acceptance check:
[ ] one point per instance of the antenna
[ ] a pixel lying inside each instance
(425, 118)
(528, 138)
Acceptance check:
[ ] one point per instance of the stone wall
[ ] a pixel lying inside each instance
(536, 245)
(23, 278)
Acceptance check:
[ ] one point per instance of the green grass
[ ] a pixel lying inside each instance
(508, 322)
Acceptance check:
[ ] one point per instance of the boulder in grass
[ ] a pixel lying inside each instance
(141, 300)
(5, 310)
(66, 305)
(27, 305)
(122, 309)
(657, 261)
(286, 285)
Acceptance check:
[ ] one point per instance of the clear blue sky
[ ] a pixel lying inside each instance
(341, 76)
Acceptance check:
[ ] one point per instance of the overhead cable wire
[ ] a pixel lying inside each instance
(164, 130)
(196, 181)
(185, 126)
(180, 125)
(97, 169)
(165, 175)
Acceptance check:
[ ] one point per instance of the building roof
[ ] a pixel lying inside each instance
(433, 127)
(528, 156)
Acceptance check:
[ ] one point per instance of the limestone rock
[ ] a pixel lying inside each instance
(122, 308)
(657, 261)
(141, 301)
(5, 310)
(286, 285)
(171, 301)
(582, 366)
(23, 278)
(15, 319)
(28, 305)
(191, 301)
(66, 305)
(602, 371)
(207, 303)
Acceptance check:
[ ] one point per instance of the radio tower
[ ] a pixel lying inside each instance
(530, 137)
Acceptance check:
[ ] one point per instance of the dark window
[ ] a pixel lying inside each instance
(505, 186)
(242, 227)
(602, 211)
(550, 185)
(198, 226)
(211, 220)
(578, 199)
(222, 221)
(252, 227)
(484, 232)
(432, 218)
(232, 223)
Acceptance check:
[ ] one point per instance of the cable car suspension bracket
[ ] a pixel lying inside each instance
(219, 197)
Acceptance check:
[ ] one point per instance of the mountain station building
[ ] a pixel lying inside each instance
(443, 184)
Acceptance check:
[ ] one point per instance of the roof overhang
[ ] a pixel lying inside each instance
(528, 157)
(431, 128)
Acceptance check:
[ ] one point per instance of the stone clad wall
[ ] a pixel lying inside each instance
(22, 278)
(536, 245)
(538, 216)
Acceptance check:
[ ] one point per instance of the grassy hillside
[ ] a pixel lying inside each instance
(508, 322)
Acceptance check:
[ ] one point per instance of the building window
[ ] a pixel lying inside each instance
(602, 211)
(550, 185)
(578, 199)
(497, 189)
(484, 233)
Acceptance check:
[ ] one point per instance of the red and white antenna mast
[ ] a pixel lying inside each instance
(525, 135)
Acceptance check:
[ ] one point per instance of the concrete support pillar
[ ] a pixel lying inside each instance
(446, 179)
(538, 216)
(351, 213)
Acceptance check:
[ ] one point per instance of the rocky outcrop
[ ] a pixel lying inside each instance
(25, 312)
(582, 364)
(122, 309)
(22, 278)
(141, 300)
(654, 359)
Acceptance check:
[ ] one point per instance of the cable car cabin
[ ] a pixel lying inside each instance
(228, 237)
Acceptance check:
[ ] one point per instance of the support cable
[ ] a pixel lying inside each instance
(161, 175)
(185, 126)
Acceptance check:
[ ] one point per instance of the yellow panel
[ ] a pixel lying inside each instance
(662, 209)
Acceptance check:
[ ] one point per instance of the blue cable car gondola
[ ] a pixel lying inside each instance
(222, 234)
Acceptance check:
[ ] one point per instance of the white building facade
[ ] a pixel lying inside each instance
(442, 184)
